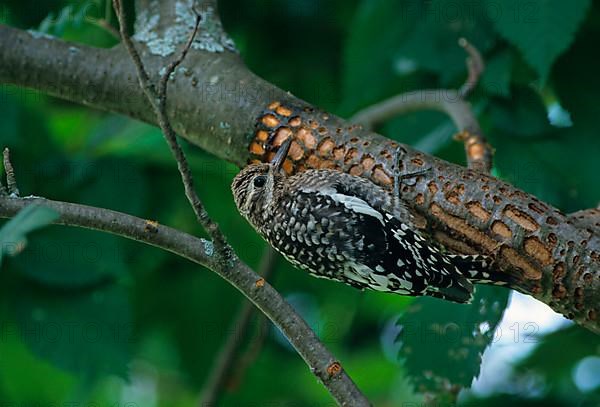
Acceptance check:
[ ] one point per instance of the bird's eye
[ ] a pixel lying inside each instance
(260, 181)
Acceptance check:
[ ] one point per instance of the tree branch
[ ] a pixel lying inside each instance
(228, 111)
(211, 101)
(475, 67)
(201, 251)
(157, 97)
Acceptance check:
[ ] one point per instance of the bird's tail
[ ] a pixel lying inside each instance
(461, 291)
(477, 269)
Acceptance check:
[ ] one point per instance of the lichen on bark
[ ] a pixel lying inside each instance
(164, 39)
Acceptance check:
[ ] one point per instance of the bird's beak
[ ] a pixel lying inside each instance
(282, 153)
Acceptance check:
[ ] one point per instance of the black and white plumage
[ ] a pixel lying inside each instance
(346, 228)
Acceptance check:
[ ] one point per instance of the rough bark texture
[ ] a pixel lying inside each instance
(217, 104)
(547, 254)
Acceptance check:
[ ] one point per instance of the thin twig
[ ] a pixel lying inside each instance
(444, 100)
(335, 379)
(143, 78)
(108, 13)
(11, 181)
(222, 366)
(162, 86)
(475, 67)
(479, 152)
(157, 99)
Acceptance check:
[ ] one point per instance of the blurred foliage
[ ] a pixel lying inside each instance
(436, 337)
(90, 318)
(13, 234)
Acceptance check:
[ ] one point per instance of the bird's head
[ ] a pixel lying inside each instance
(254, 185)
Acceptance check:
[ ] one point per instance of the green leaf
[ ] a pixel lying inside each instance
(437, 336)
(13, 234)
(561, 167)
(540, 29)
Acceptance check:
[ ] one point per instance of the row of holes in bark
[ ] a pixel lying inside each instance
(313, 147)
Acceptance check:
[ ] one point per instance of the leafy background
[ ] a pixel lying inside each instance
(98, 320)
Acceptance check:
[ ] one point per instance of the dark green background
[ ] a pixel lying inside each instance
(91, 318)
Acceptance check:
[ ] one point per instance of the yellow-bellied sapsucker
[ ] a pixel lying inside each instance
(346, 228)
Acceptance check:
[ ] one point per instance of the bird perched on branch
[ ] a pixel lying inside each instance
(346, 228)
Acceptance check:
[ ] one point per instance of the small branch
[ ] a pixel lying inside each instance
(157, 98)
(117, 223)
(475, 67)
(346, 394)
(238, 274)
(162, 86)
(11, 181)
(479, 152)
(445, 100)
(142, 75)
(222, 366)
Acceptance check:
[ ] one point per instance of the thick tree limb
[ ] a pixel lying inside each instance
(228, 111)
(207, 95)
(202, 252)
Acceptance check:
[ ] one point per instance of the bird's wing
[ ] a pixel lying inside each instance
(381, 251)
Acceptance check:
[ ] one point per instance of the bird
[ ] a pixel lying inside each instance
(348, 229)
